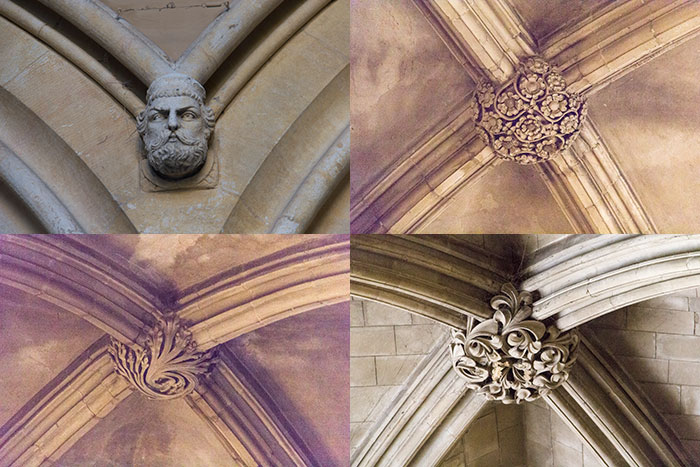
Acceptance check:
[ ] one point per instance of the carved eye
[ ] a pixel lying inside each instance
(156, 116)
(189, 115)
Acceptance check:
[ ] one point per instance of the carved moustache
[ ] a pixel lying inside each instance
(158, 140)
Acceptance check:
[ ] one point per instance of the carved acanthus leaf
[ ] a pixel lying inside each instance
(510, 358)
(167, 366)
(532, 118)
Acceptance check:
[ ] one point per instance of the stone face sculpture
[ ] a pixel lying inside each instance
(175, 126)
(167, 366)
(510, 358)
(532, 118)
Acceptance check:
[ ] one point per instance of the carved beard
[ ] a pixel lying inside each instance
(176, 158)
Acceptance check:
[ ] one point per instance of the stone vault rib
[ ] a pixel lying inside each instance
(488, 38)
(245, 418)
(434, 397)
(597, 281)
(64, 410)
(415, 275)
(604, 406)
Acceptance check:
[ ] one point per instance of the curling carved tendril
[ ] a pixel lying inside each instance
(510, 358)
(532, 118)
(167, 366)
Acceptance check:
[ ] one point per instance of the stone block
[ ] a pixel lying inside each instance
(417, 339)
(395, 369)
(562, 455)
(537, 421)
(686, 426)
(487, 460)
(481, 438)
(377, 314)
(666, 321)
(508, 415)
(511, 443)
(367, 403)
(561, 433)
(646, 370)
(418, 319)
(539, 454)
(676, 347)
(627, 343)
(616, 319)
(666, 397)
(362, 371)
(356, 315)
(690, 400)
(668, 302)
(686, 373)
(372, 341)
(590, 459)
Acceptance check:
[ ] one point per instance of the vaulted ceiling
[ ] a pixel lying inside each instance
(425, 170)
(275, 310)
(71, 165)
(632, 396)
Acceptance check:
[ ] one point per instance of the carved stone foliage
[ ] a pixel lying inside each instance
(510, 358)
(175, 126)
(167, 366)
(532, 118)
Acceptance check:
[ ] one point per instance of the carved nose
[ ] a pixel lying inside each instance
(172, 121)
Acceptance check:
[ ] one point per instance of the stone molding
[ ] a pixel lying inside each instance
(434, 396)
(510, 358)
(261, 27)
(489, 41)
(627, 270)
(167, 365)
(64, 410)
(591, 189)
(412, 273)
(610, 413)
(625, 429)
(238, 408)
(106, 292)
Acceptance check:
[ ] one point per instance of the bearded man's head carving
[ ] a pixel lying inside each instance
(175, 126)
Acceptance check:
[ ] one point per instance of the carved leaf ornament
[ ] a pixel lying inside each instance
(532, 118)
(168, 365)
(510, 358)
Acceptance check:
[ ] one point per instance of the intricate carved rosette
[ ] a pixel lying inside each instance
(532, 118)
(510, 358)
(167, 366)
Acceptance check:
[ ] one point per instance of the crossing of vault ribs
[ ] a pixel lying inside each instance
(511, 358)
(167, 366)
(532, 118)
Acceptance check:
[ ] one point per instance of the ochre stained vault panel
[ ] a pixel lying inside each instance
(38, 340)
(510, 198)
(650, 120)
(404, 81)
(141, 432)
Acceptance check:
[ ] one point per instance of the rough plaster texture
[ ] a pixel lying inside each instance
(303, 364)
(404, 81)
(141, 432)
(510, 198)
(544, 17)
(657, 343)
(37, 341)
(650, 122)
(386, 344)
